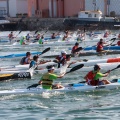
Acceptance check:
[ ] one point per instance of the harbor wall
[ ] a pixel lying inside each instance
(46, 24)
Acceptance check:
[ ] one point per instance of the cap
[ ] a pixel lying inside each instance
(50, 67)
(96, 67)
(63, 52)
(28, 53)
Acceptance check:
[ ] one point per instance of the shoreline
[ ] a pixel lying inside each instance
(46, 24)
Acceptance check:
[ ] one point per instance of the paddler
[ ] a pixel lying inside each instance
(93, 77)
(38, 36)
(26, 60)
(47, 79)
(61, 58)
(41, 40)
(22, 41)
(118, 43)
(34, 63)
(74, 48)
(100, 48)
(101, 40)
(10, 36)
(28, 37)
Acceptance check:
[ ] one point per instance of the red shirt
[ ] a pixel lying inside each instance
(74, 48)
(118, 43)
(99, 48)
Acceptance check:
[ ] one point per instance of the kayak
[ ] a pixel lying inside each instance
(18, 75)
(19, 55)
(82, 87)
(83, 53)
(93, 62)
(105, 48)
(104, 67)
(25, 67)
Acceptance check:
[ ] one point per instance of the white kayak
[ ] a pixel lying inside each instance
(96, 61)
(104, 67)
(25, 67)
(83, 87)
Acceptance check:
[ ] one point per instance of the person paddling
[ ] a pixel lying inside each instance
(93, 77)
(34, 62)
(100, 48)
(74, 48)
(47, 79)
(10, 36)
(22, 41)
(61, 58)
(26, 60)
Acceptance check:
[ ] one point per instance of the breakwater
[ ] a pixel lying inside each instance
(47, 24)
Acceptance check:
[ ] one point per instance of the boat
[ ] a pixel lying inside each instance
(14, 68)
(82, 87)
(19, 55)
(89, 18)
(83, 53)
(105, 48)
(104, 67)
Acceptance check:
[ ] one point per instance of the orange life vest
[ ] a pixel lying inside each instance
(90, 79)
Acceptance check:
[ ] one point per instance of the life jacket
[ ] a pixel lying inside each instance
(22, 62)
(99, 48)
(46, 80)
(73, 49)
(10, 35)
(90, 79)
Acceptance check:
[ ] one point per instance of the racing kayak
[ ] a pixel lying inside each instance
(105, 48)
(19, 55)
(82, 87)
(25, 67)
(18, 75)
(83, 53)
(104, 67)
(93, 62)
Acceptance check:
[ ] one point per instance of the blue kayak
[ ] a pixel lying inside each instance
(19, 55)
(105, 48)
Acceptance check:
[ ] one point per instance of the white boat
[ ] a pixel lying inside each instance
(82, 87)
(104, 67)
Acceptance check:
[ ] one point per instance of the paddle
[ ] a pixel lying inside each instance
(78, 49)
(111, 42)
(103, 73)
(72, 70)
(44, 51)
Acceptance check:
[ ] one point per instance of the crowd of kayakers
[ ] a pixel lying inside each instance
(92, 78)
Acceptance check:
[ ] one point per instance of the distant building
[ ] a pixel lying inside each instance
(59, 8)
(106, 6)
(56, 8)
(14, 8)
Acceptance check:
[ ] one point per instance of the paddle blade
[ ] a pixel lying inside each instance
(78, 49)
(46, 50)
(113, 39)
(113, 69)
(32, 86)
(36, 32)
(75, 68)
(19, 32)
